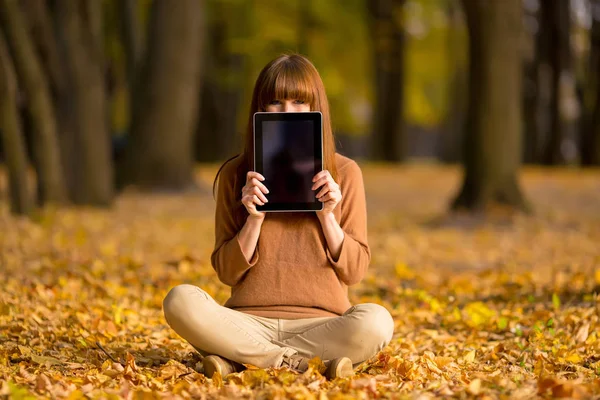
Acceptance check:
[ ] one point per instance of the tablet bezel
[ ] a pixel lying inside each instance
(314, 116)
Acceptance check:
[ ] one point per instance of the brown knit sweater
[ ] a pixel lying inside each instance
(292, 274)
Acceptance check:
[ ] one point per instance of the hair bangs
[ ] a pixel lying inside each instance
(288, 80)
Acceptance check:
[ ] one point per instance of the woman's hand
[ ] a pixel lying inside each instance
(329, 192)
(253, 194)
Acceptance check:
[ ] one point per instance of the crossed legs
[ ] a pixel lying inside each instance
(358, 334)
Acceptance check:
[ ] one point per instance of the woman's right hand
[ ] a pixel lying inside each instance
(253, 194)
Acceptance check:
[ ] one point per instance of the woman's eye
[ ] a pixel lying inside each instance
(275, 102)
(299, 102)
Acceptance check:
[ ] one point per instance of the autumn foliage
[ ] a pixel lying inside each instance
(501, 307)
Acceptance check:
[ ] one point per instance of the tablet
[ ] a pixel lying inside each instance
(288, 152)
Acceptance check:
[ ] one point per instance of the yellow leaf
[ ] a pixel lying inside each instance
(456, 316)
(286, 377)
(24, 350)
(555, 301)
(317, 365)
(4, 308)
(435, 305)
(443, 361)
(217, 379)
(597, 276)
(470, 356)
(475, 386)
(478, 313)
(404, 272)
(574, 358)
(76, 395)
(43, 360)
(255, 377)
(118, 313)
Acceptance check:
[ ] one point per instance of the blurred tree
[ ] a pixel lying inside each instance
(223, 76)
(534, 90)
(43, 34)
(388, 141)
(46, 150)
(87, 151)
(556, 22)
(493, 137)
(131, 34)
(305, 25)
(160, 152)
(590, 133)
(451, 150)
(21, 201)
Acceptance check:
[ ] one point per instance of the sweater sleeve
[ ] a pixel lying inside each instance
(355, 255)
(227, 258)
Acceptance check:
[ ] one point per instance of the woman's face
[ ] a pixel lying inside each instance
(288, 105)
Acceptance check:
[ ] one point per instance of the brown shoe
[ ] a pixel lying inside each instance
(339, 368)
(214, 364)
(336, 368)
(295, 363)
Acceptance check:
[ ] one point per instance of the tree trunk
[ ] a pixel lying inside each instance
(46, 150)
(558, 14)
(131, 36)
(160, 155)
(531, 91)
(21, 200)
(450, 150)
(544, 86)
(590, 132)
(389, 143)
(130, 30)
(42, 33)
(223, 67)
(46, 42)
(90, 163)
(493, 137)
(594, 156)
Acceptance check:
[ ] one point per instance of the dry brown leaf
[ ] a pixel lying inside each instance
(474, 387)
(582, 333)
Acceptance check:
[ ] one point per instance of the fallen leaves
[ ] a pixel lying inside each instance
(487, 309)
(561, 388)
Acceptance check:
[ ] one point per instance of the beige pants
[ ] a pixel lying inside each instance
(359, 334)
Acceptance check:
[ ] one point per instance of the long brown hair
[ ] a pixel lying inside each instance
(289, 76)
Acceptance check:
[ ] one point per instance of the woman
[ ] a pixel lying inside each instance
(289, 272)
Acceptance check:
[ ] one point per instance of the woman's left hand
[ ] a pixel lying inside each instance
(328, 191)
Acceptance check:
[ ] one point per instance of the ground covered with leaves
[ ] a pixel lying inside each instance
(494, 308)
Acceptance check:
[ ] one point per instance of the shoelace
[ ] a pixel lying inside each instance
(293, 362)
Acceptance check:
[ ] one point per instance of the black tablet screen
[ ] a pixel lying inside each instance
(288, 160)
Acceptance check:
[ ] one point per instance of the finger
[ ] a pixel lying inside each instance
(254, 174)
(247, 200)
(250, 201)
(256, 200)
(321, 174)
(319, 183)
(256, 191)
(326, 189)
(328, 197)
(326, 181)
(262, 187)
